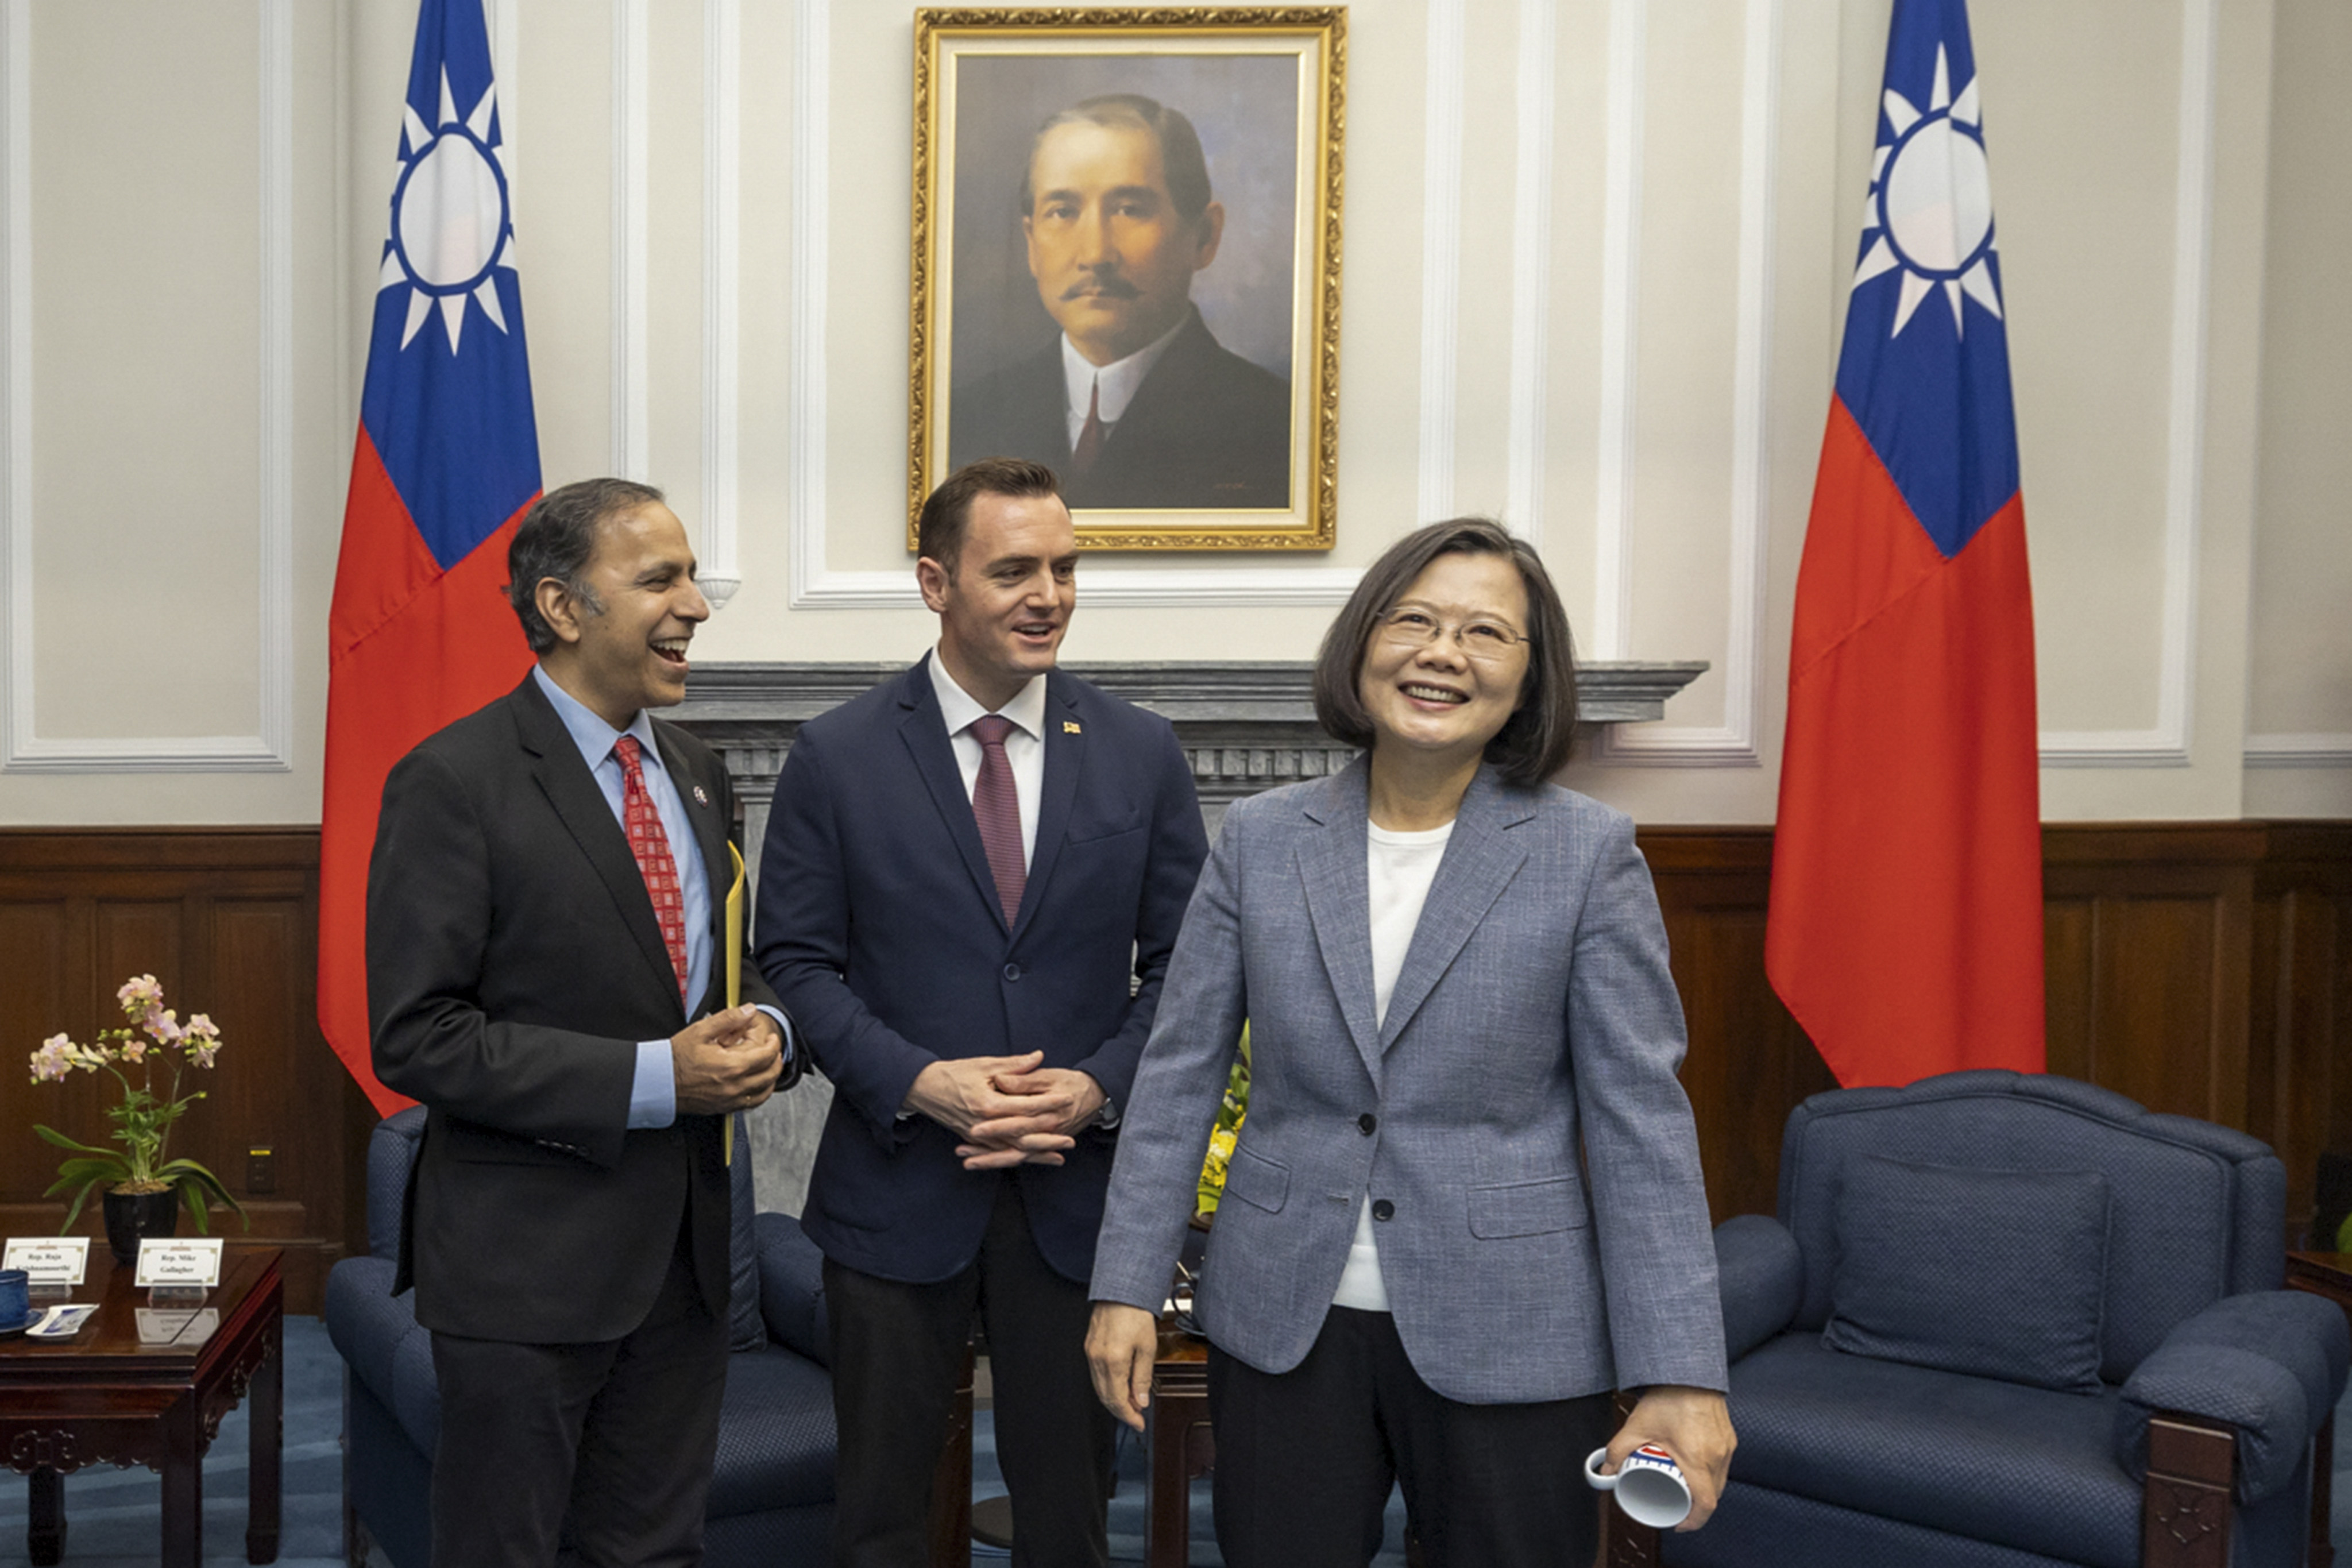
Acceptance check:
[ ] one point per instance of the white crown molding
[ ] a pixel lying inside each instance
(271, 751)
(1530, 373)
(722, 153)
(1441, 256)
(816, 587)
(2166, 744)
(2311, 750)
(632, 180)
(1731, 743)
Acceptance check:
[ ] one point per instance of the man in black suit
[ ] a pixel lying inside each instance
(972, 881)
(1136, 404)
(546, 913)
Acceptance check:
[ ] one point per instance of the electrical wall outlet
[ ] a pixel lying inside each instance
(260, 1171)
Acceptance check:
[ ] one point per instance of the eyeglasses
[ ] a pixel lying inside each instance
(1487, 642)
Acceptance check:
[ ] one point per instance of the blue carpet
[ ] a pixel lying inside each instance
(112, 1515)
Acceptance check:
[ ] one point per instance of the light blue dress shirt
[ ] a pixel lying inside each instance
(653, 1096)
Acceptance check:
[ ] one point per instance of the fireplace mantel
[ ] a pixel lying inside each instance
(1246, 726)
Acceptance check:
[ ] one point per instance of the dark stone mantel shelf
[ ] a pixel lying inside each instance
(1245, 725)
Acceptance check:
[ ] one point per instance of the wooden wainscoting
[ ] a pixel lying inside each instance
(2199, 968)
(2203, 969)
(226, 919)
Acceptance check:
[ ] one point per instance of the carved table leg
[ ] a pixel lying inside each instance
(45, 1539)
(266, 1405)
(2184, 1520)
(184, 1484)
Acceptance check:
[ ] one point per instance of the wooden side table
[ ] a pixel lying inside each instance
(108, 1396)
(2328, 1274)
(1182, 1445)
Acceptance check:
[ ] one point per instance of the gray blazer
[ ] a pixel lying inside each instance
(1534, 1014)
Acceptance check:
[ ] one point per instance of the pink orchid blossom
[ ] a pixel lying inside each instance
(140, 993)
(54, 1061)
(202, 1054)
(162, 1024)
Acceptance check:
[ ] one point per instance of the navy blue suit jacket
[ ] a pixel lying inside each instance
(881, 929)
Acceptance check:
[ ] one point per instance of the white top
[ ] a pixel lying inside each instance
(1024, 744)
(1117, 381)
(1401, 867)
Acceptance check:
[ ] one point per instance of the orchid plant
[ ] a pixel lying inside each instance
(143, 1123)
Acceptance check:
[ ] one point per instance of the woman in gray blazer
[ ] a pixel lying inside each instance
(1455, 975)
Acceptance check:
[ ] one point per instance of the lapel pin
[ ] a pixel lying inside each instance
(1069, 727)
(701, 798)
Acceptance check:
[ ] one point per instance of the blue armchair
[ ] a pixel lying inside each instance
(772, 1491)
(2015, 1321)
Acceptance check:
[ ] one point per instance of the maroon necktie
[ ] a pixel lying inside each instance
(1090, 439)
(996, 805)
(650, 844)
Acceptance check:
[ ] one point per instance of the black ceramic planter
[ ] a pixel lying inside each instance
(129, 1216)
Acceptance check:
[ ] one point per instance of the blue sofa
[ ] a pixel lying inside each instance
(772, 1492)
(2015, 1321)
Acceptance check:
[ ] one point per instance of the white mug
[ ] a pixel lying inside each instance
(1649, 1486)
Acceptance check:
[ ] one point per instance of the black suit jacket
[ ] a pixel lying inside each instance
(881, 926)
(1207, 428)
(514, 962)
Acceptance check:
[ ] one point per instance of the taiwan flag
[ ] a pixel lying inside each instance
(446, 462)
(1905, 928)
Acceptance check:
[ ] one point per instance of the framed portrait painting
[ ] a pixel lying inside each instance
(1126, 265)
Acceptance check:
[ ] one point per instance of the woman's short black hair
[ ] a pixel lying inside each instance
(557, 539)
(1535, 742)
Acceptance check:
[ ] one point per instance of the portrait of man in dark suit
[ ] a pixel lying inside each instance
(547, 972)
(1135, 403)
(972, 884)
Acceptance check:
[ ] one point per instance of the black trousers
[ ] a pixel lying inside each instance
(1306, 1458)
(897, 1350)
(602, 1451)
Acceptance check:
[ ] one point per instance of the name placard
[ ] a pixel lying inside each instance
(167, 1327)
(179, 1262)
(49, 1259)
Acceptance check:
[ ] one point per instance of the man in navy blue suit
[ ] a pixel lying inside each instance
(973, 878)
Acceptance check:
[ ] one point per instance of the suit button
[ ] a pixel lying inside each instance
(1011, 972)
(1383, 1209)
(1368, 1124)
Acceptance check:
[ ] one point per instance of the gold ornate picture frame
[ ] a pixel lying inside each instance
(1126, 265)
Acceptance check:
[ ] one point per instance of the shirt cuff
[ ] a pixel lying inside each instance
(652, 1095)
(784, 1027)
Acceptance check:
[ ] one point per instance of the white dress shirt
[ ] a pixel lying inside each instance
(1117, 381)
(1401, 867)
(1024, 743)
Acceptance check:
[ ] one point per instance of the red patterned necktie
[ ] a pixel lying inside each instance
(650, 844)
(1090, 439)
(996, 805)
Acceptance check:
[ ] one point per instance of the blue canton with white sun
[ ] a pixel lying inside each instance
(1925, 368)
(449, 405)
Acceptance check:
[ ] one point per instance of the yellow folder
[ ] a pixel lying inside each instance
(734, 965)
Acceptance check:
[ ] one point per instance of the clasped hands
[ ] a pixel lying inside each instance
(1006, 1110)
(727, 1062)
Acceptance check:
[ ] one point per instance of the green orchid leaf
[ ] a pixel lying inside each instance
(191, 1177)
(74, 1212)
(51, 1135)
